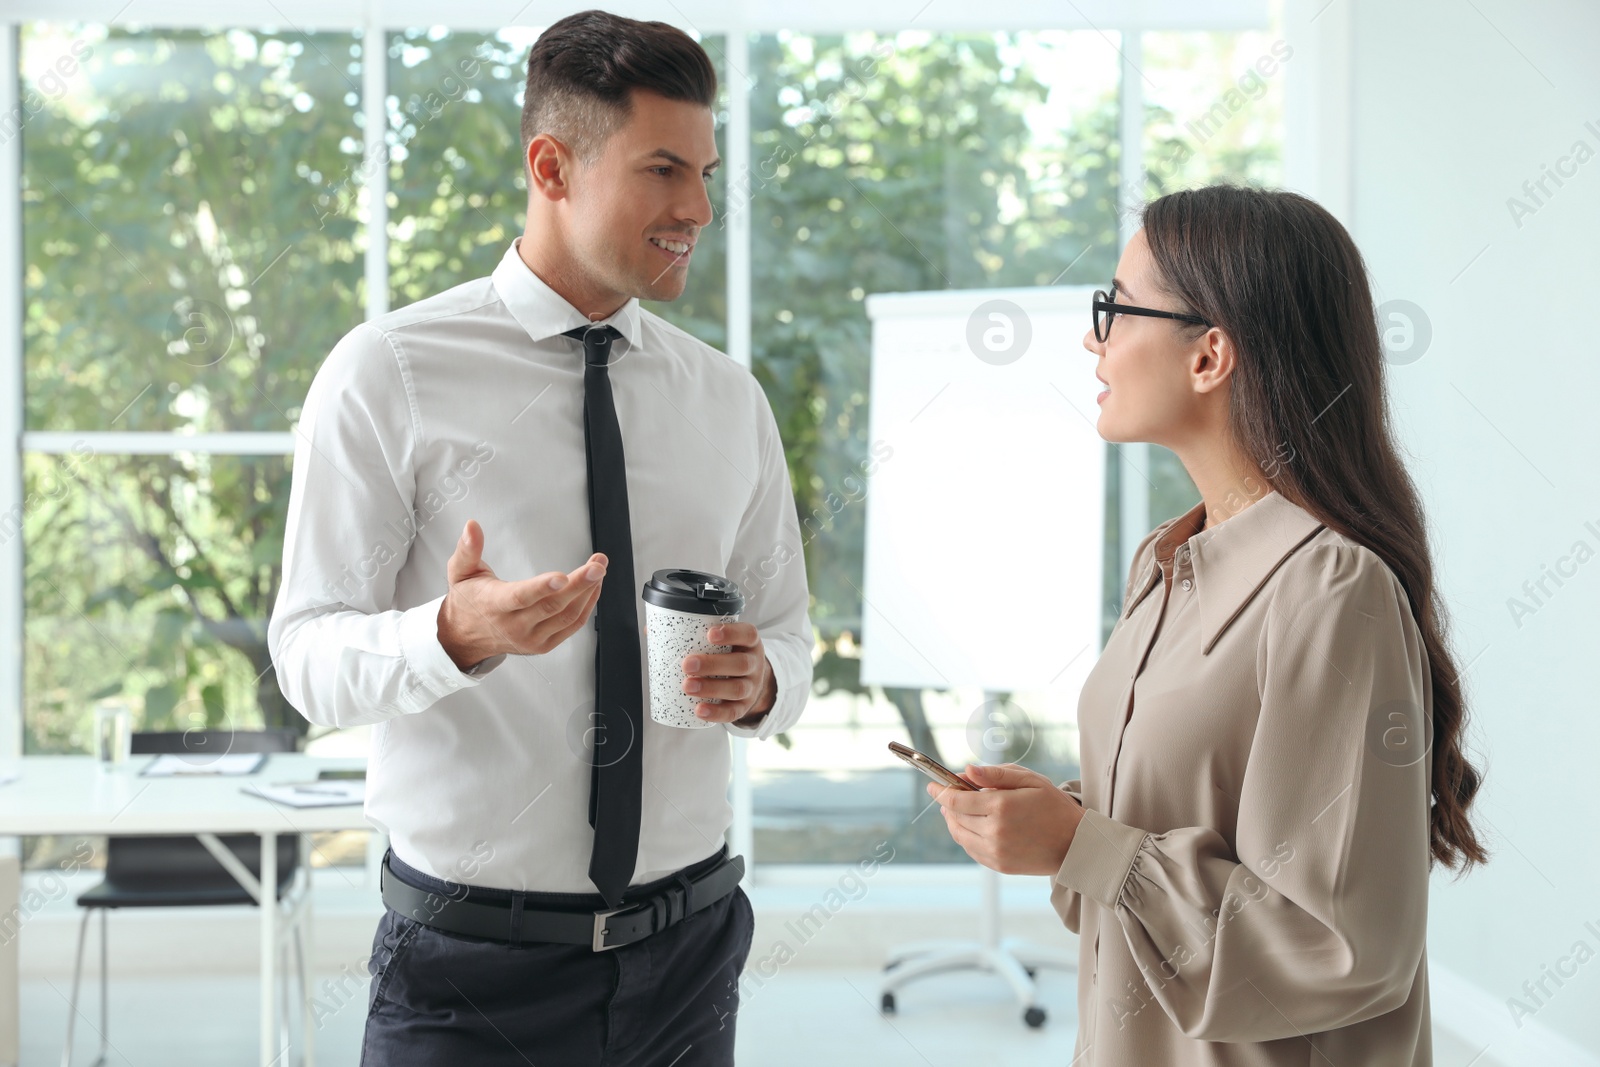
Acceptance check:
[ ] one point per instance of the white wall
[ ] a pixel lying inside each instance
(1454, 104)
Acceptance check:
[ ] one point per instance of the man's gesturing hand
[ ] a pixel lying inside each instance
(483, 616)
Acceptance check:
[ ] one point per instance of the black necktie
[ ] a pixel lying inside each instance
(616, 777)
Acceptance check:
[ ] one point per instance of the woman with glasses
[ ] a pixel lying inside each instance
(1271, 740)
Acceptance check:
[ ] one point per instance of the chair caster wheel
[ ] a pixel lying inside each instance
(1033, 972)
(887, 1004)
(1034, 1017)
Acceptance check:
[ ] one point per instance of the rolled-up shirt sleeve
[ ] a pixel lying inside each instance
(345, 656)
(1317, 920)
(768, 562)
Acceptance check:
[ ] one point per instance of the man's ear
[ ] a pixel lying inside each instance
(550, 166)
(1213, 360)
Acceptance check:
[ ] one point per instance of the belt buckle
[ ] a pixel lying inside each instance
(599, 941)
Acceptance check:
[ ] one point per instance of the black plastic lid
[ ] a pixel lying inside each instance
(693, 592)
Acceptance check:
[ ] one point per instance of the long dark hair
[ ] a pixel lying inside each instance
(1283, 279)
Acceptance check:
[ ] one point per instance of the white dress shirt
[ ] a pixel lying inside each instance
(469, 404)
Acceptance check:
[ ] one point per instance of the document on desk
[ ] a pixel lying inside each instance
(174, 764)
(318, 794)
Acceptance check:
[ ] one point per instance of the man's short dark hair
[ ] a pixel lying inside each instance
(584, 68)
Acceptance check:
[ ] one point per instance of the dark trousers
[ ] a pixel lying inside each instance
(440, 999)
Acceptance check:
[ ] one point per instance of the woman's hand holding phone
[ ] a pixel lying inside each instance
(1019, 822)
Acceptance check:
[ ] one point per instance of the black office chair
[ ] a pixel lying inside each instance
(179, 872)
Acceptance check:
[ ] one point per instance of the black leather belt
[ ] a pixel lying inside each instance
(515, 923)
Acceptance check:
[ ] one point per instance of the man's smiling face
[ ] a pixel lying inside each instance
(639, 207)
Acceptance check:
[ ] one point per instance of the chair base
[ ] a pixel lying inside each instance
(1012, 959)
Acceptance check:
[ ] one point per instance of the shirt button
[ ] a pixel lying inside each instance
(1187, 585)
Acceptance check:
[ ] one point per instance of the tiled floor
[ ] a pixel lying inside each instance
(801, 1018)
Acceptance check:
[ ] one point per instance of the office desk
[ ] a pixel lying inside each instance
(73, 795)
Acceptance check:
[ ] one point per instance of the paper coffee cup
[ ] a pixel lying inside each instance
(679, 607)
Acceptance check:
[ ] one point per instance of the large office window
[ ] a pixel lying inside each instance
(197, 214)
(894, 163)
(179, 284)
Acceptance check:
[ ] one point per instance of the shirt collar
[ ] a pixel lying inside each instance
(1231, 560)
(542, 311)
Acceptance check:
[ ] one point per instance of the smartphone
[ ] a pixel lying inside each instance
(341, 773)
(931, 767)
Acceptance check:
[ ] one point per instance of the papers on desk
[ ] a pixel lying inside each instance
(172, 765)
(319, 794)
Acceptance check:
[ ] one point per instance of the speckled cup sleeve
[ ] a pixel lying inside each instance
(672, 635)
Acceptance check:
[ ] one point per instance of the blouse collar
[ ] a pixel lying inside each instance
(1231, 560)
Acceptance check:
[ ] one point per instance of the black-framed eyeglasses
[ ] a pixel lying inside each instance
(1106, 310)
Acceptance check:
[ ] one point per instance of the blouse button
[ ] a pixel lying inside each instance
(1187, 584)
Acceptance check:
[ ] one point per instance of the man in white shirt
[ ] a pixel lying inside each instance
(457, 431)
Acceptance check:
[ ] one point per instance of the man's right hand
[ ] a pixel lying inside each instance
(483, 616)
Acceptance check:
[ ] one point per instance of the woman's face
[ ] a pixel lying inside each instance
(1145, 362)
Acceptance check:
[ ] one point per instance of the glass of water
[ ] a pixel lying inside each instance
(113, 734)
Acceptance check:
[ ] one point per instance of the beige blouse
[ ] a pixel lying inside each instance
(1250, 878)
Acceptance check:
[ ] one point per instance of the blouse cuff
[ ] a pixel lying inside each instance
(1100, 857)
